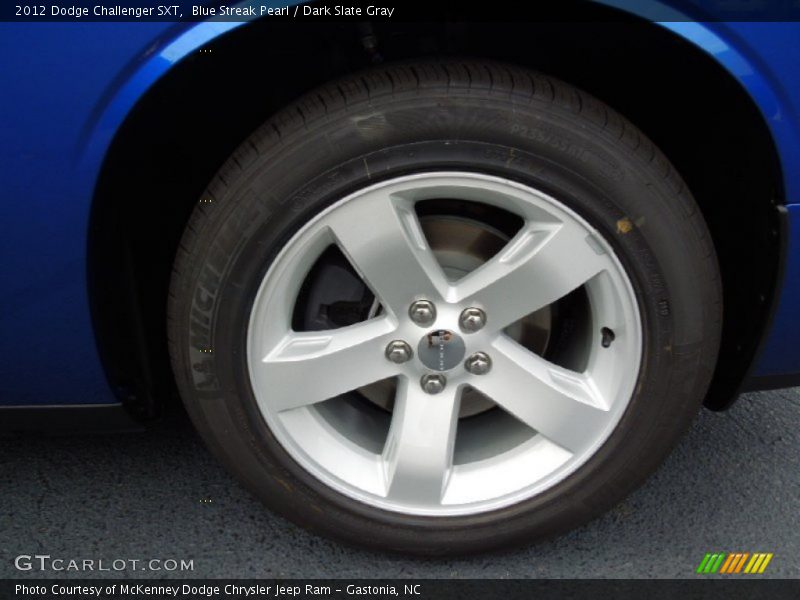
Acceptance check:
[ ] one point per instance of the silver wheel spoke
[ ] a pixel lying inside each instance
(382, 237)
(309, 367)
(540, 265)
(418, 454)
(562, 405)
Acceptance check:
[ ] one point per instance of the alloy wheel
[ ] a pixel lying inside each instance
(440, 335)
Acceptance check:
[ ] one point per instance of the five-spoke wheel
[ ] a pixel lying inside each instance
(437, 332)
(444, 307)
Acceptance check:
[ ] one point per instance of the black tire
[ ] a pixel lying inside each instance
(395, 120)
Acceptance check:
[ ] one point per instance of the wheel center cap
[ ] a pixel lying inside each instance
(441, 349)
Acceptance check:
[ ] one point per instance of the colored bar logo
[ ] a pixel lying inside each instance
(734, 563)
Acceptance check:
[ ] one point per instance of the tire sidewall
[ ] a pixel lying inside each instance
(542, 147)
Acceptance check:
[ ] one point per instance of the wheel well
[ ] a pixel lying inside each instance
(183, 129)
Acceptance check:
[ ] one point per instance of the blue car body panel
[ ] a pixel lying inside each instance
(68, 87)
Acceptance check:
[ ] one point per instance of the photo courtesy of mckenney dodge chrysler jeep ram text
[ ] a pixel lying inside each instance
(433, 287)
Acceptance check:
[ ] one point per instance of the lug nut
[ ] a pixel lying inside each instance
(472, 319)
(422, 312)
(478, 363)
(433, 384)
(399, 352)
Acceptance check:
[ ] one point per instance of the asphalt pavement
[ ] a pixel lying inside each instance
(733, 484)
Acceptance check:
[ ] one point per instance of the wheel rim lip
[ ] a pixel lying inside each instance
(300, 454)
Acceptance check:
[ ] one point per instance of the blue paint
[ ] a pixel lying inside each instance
(67, 88)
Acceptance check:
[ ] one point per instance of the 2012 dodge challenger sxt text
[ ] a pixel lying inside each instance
(432, 287)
